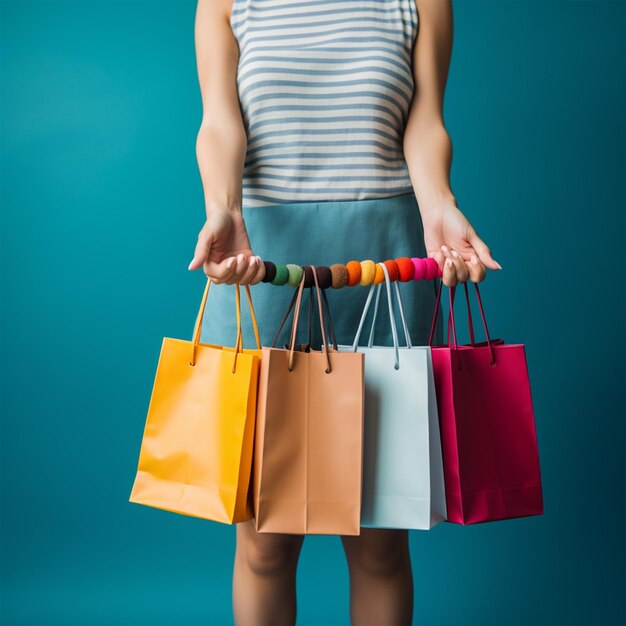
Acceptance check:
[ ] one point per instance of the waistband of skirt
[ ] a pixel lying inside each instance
(390, 203)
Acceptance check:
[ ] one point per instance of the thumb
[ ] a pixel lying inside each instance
(201, 253)
(482, 250)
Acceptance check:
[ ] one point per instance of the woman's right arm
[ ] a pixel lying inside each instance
(449, 236)
(220, 149)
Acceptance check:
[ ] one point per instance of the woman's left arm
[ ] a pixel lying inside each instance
(449, 237)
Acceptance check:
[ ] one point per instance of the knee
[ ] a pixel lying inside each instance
(381, 555)
(268, 555)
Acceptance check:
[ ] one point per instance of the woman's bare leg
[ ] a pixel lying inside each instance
(264, 579)
(381, 580)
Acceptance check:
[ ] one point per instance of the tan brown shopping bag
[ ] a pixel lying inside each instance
(309, 437)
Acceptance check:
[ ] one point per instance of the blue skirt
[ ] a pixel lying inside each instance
(324, 233)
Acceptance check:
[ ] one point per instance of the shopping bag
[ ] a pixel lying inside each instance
(489, 441)
(403, 484)
(309, 435)
(196, 452)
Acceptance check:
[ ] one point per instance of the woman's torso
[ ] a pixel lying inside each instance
(325, 88)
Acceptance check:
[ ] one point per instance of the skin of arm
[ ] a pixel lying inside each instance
(223, 248)
(449, 237)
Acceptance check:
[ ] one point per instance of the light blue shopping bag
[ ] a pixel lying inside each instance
(403, 485)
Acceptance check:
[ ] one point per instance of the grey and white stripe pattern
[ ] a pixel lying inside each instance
(325, 88)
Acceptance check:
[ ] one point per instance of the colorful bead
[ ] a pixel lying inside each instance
(270, 272)
(282, 274)
(368, 272)
(406, 269)
(432, 268)
(324, 276)
(339, 275)
(295, 274)
(379, 276)
(260, 274)
(392, 269)
(354, 273)
(309, 281)
(420, 268)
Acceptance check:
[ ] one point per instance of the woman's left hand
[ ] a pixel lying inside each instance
(454, 243)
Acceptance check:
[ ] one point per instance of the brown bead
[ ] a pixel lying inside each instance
(309, 281)
(270, 272)
(324, 276)
(339, 275)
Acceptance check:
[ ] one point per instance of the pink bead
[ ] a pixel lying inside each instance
(420, 268)
(432, 268)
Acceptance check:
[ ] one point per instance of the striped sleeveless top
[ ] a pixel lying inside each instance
(325, 88)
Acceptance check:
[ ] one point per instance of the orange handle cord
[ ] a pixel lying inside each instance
(294, 325)
(295, 322)
(197, 331)
(322, 324)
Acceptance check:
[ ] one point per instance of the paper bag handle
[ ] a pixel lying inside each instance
(394, 331)
(407, 337)
(286, 315)
(295, 321)
(330, 319)
(197, 331)
(451, 323)
(469, 314)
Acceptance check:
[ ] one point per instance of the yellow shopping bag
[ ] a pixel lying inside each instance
(196, 451)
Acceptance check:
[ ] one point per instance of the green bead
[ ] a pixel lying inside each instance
(295, 274)
(282, 274)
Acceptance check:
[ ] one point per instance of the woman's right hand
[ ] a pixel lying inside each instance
(224, 250)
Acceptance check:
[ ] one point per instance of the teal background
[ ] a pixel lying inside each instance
(101, 204)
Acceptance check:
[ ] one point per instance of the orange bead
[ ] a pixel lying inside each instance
(405, 268)
(354, 272)
(392, 269)
(379, 277)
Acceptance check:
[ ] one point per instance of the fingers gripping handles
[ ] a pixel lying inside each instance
(197, 331)
(451, 324)
(394, 333)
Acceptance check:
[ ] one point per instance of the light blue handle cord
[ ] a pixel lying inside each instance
(394, 331)
(407, 336)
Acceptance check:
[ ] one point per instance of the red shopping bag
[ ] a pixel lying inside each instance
(487, 424)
